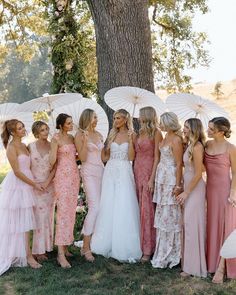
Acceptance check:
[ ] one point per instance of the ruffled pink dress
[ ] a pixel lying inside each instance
(66, 184)
(17, 202)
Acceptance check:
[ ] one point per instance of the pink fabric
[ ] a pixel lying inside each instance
(17, 202)
(66, 183)
(221, 216)
(92, 172)
(44, 213)
(142, 171)
(194, 257)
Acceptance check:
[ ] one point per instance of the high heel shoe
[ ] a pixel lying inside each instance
(61, 260)
(218, 277)
(87, 255)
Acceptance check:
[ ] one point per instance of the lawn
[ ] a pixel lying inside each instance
(105, 277)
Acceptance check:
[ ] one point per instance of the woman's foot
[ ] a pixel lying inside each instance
(87, 255)
(61, 259)
(183, 274)
(219, 276)
(33, 263)
(145, 258)
(41, 257)
(68, 254)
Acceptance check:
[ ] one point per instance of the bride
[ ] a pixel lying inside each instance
(117, 228)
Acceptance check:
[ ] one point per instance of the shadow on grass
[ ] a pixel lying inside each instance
(106, 277)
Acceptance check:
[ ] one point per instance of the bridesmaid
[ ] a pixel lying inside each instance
(168, 217)
(66, 184)
(194, 198)
(17, 201)
(40, 166)
(220, 162)
(145, 164)
(89, 144)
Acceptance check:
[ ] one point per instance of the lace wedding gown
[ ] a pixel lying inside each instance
(117, 228)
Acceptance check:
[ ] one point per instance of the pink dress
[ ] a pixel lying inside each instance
(221, 216)
(44, 213)
(17, 202)
(91, 172)
(194, 257)
(66, 184)
(143, 164)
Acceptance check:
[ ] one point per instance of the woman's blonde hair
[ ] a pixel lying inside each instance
(169, 120)
(86, 119)
(148, 121)
(196, 134)
(36, 127)
(114, 130)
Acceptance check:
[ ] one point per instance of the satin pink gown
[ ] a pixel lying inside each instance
(221, 216)
(143, 164)
(194, 256)
(66, 183)
(44, 212)
(92, 172)
(17, 204)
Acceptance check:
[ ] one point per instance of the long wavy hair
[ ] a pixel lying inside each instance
(196, 134)
(86, 119)
(9, 126)
(148, 121)
(115, 130)
(169, 120)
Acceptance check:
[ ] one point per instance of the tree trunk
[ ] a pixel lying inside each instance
(123, 44)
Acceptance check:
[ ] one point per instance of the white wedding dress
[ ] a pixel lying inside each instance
(117, 228)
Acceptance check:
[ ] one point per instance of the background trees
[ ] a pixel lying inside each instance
(139, 43)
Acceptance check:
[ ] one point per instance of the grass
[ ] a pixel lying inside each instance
(3, 171)
(105, 277)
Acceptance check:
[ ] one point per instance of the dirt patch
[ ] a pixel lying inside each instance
(8, 288)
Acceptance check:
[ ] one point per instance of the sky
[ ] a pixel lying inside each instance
(220, 25)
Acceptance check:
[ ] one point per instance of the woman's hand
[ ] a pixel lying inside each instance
(232, 198)
(150, 185)
(181, 198)
(39, 187)
(177, 190)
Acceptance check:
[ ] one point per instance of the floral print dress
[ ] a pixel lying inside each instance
(168, 217)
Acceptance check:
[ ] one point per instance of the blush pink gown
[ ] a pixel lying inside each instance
(17, 203)
(194, 257)
(66, 184)
(143, 164)
(91, 172)
(221, 216)
(44, 213)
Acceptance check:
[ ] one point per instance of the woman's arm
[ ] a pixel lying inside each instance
(232, 154)
(13, 160)
(53, 152)
(198, 152)
(131, 150)
(158, 138)
(177, 148)
(81, 144)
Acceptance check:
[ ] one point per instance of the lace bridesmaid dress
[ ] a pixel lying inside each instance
(194, 256)
(91, 172)
(168, 216)
(17, 203)
(44, 213)
(66, 184)
(221, 216)
(143, 163)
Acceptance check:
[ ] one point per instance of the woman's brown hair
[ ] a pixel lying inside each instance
(9, 126)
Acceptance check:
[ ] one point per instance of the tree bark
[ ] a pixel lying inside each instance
(123, 44)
